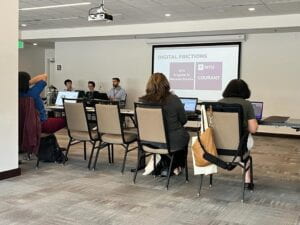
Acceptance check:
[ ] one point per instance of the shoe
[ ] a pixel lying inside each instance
(249, 186)
(164, 173)
(177, 171)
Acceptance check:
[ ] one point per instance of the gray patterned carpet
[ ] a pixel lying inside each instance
(71, 194)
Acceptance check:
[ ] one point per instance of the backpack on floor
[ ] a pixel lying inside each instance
(49, 150)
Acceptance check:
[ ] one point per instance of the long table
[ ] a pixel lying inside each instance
(291, 123)
(192, 125)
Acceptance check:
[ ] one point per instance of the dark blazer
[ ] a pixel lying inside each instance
(176, 118)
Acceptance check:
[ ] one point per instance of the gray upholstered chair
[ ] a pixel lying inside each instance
(230, 140)
(110, 127)
(79, 130)
(153, 136)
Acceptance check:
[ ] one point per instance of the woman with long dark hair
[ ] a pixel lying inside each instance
(33, 87)
(237, 92)
(158, 91)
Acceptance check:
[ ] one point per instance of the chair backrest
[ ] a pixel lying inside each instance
(226, 130)
(151, 125)
(76, 116)
(227, 123)
(122, 103)
(29, 126)
(108, 118)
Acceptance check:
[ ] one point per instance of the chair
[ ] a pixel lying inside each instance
(111, 129)
(153, 136)
(29, 127)
(230, 139)
(79, 130)
(122, 103)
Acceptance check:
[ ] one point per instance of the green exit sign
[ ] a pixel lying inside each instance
(20, 44)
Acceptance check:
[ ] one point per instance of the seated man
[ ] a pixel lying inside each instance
(117, 93)
(38, 83)
(68, 83)
(92, 94)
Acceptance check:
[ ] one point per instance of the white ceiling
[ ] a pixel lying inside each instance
(148, 11)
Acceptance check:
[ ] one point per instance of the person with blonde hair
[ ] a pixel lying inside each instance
(158, 91)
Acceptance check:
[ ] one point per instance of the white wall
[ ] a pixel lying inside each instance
(32, 60)
(101, 60)
(9, 87)
(269, 64)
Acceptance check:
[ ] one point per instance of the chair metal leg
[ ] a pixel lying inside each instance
(124, 160)
(154, 164)
(112, 154)
(169, 172)
(251, 170)
(186, 171)
(84, 148)
(37, 161)
(97, 155)
(67, 151)
(92, 153)
(210, 180)
(137, 167)
(108, 151)
(243, 183)
(200, 186)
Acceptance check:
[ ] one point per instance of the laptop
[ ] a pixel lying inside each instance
(66, 94)
(190, 105)
(101, 96)
(258, 109)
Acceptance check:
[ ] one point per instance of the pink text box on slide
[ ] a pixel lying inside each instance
(182, 75)
(209, 76)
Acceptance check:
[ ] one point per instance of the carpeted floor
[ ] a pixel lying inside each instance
(71, 194)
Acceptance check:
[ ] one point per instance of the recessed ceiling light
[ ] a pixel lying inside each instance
(23, 25)
(251, 9)
(167, 15)
(55, 6)
(35, 44)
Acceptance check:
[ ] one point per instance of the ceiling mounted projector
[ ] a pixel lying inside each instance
(99, 14)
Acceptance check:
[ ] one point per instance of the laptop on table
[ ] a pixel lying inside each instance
(190, 105)
(66, 94)
(258, 110)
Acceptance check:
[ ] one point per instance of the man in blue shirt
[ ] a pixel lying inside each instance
(117, 93)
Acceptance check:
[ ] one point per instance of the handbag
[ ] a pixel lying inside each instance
(205, 142)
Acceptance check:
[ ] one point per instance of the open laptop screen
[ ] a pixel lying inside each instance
(190, 104)
(66, 94)
(258, 109)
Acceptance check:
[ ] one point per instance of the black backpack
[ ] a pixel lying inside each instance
(50, 151)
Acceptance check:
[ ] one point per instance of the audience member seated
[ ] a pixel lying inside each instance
(38, 83)
(158, 91)
(117, 93)
(236, 92)
(68, 84)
